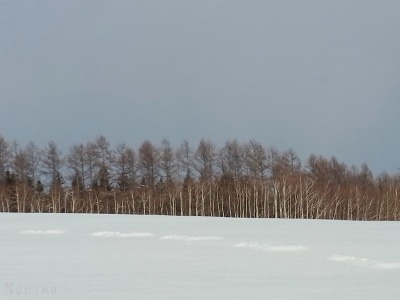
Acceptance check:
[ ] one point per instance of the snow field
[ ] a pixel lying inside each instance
(121, 235)
(148, 257)
(48, 231)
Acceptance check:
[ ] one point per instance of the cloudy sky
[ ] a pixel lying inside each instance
(318, 76)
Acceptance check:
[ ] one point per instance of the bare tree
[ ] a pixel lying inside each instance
(318, 168)
(325, 188)
(4, 158)
(294, 161)
(365, 175)
(286, 163)
(256, 159)
(21, 182)
(167, 161)
(184, 157)
(337, 171)
(232, 159)
(77, 164)
(52, 163)
(204, 159)
(104, 161)
(91, 163)
(34, 157)
(20, 165)
(125, 164)
(103, 151)
(148, 163)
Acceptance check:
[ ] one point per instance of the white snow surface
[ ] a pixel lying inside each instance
(76, 256)
(121, 234)
(266, 247)
(190, 238)
(48, 231)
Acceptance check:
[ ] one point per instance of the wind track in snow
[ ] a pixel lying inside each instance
(270, 248)
(190, 238)
(50, 231)
(116, 234)
(364, 262)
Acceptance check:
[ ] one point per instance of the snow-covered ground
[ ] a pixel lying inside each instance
(56, 256)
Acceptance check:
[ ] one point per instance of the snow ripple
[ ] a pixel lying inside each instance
(190, 238)
(122, 235)
(269, 248)
(364, 262)
(51, 231)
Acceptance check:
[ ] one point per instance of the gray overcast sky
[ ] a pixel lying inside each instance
(319, 76)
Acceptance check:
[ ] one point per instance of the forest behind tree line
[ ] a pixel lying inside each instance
(245, 180)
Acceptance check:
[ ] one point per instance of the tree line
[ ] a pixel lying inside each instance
(246, 180)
